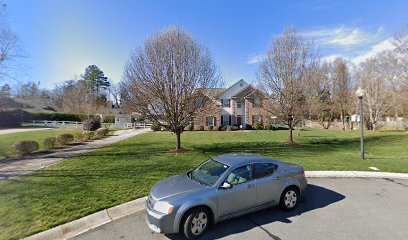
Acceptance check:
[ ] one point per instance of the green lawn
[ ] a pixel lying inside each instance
(127, 170)
(6, 140)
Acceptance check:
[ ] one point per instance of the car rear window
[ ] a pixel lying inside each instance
(264, 169)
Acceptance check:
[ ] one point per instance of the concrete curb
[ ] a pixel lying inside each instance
(74, 228)
(355, 174)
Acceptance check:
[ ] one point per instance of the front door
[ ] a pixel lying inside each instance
(241, 196)
(239, 120)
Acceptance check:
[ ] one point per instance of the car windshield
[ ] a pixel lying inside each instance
(209, 172)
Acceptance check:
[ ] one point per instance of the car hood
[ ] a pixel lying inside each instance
(173, 186)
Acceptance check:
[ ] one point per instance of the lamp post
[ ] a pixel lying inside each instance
(360, 94)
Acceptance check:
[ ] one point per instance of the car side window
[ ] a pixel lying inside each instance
(264, 169)
(240, 175)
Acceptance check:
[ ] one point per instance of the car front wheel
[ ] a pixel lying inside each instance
(289, 198)
(196, 223)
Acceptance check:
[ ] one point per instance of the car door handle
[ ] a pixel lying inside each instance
(250, 185)
(277, 178)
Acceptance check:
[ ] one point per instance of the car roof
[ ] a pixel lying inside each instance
(242, 158)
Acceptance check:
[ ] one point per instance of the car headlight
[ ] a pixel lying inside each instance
(163, 207)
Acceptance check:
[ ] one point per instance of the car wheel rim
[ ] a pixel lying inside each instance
(199, 223)
(290, 199)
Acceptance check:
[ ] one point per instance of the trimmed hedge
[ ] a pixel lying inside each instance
(155, 127)
(65, 138)
(59, 116)
(258, 126)
(25, 147)
(101, 132)
(109, 119)
(13, 118)
(50, 143)
(87, 135)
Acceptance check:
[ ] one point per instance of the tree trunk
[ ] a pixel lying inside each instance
(178, 142)
(290, 140)
(374, 126)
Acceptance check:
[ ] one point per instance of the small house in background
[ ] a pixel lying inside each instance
(239, 105)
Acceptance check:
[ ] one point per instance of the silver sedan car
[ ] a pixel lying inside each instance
(221, 188)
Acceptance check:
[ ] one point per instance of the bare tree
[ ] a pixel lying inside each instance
(283, 73)
(321, 89)
(341, 88)
(377, 95)
(115, 93)
(167, 79)
(389, 67)
(10, 50)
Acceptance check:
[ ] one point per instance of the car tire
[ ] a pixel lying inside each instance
(289, 198)
(196, 222)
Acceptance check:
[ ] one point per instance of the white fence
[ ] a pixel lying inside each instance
(57, 123)
(137, 125)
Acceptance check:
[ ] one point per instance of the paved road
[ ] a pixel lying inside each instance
(16, 130)
(10, 169)
(342, 208)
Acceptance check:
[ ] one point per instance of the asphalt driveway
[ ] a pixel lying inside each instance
(342, 208)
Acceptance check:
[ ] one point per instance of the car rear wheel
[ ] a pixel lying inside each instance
(289, 198)
(196, 223)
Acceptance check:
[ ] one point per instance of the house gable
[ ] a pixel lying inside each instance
(234, 89)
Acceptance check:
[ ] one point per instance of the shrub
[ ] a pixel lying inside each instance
(224, 128)
(155, 127)
(248, 127)
(232, 128)
(109, 119)
(59, 116)
(200, 128)
(87, 135)
(65, 138)
(13, 118)
(190, 127)
(258, 126)
(101, 132)
(91, 124)
(25, 147)
(50, 142)
(78, 137)
(218, 128)
(269, 127)
(210, 128)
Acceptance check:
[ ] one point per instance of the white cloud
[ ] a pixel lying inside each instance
(344, 37)
(374, 50)
(254, 59)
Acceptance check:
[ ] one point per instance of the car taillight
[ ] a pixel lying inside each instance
(303, 172)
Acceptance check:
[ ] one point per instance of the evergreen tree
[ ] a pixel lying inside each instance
(95, 80)
(5, 91)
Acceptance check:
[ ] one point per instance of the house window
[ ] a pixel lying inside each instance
(256, 118)
(210, 121)
(257, 103)
(239, 104)
(226, 102)
(241, 84)
(225, 120)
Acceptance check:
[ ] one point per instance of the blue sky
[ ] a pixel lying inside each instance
(62, 37)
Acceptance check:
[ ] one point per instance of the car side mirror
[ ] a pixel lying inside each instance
(226, 185)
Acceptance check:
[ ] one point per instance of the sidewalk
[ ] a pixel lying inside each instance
(15, 168)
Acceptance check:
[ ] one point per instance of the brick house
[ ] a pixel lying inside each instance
(239, 105)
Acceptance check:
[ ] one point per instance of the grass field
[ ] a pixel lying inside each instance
(6, 140)
(127, 170)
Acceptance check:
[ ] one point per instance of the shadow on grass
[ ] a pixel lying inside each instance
(311, 147)
(315, 197)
